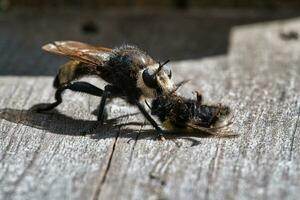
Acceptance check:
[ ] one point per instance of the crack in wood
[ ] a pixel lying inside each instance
(212, 169)
(160, 169)
(135, 142)
(293, 135)
(102, 181)
(258, 78)
(123, 178)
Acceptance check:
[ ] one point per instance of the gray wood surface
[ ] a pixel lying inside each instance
(44, 156)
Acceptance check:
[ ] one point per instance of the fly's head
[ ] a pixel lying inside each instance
(155, 80)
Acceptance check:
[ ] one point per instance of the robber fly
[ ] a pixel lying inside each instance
(131, 74)
(177, 113)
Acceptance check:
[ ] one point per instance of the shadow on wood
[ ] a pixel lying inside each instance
(58, 123)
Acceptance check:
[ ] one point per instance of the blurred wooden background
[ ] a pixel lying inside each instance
(269, 4)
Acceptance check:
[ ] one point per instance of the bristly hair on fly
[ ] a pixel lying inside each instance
(130, 74)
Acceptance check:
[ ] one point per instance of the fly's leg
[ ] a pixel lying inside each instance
(109, 91)
(151, 120)
(105, 95)
(83, 87)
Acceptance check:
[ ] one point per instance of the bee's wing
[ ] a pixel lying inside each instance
(79, 51)
(218, 131)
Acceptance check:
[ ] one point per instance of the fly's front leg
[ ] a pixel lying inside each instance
(151, 120)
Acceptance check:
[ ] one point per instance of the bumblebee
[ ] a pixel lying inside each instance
(130, 73)
(177, 113)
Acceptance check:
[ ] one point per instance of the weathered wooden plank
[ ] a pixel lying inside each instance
(270, 87)
(261, 83)
(43, 156)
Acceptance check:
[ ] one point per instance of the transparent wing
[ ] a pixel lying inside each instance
(79, 51)
(218, 131)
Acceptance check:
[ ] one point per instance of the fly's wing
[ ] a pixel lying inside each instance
(79, 51)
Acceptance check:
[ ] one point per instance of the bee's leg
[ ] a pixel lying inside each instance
(199, 97)
(151, 120)
(76, 87)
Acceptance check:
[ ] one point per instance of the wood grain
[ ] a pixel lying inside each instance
(44, 156)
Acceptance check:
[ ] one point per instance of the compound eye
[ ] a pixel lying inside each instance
(149, 78)
(168, 71)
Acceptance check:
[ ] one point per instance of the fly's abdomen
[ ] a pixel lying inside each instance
(71, 71)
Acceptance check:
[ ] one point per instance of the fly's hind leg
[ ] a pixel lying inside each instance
(58, 98)
(79, 86)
